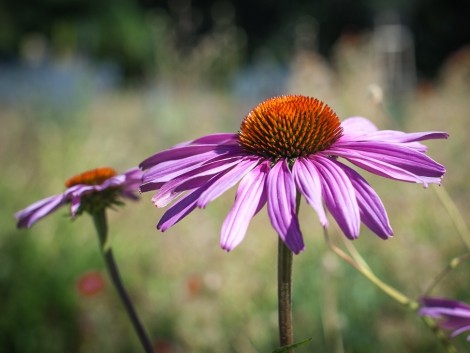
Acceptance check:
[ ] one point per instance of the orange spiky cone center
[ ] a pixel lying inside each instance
(91, 177)
(289, 127)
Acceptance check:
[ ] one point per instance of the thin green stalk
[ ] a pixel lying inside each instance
(361, 266)
(441, 335)
(454, 214)
(367, 272)
(101, 225)
(453, 264)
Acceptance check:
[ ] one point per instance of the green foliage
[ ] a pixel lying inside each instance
(39, 310)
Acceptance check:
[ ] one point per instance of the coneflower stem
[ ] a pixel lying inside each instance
(101, 225)
(284, 293)
(284, 290)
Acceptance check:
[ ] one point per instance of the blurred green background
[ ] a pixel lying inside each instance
(85, 84)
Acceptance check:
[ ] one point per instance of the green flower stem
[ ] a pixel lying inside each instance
(440, 334)
(284, 290)
(361, 266)
(101, 225)
(284, 293)
(453, 264)
(454, 214)
(367, 272)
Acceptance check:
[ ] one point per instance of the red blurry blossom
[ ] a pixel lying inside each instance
(90, 283)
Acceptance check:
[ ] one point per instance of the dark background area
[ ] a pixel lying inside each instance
(122, 30)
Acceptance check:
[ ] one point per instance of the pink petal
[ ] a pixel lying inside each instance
(176, 153)
(250, 198)
(220, 138)
(226, 181)
(339, 195)
(38, 210)
(309, 184)
(390, 160)
(373, 213)
(179, 210)
(357, 126)
(192, 179)
(166, 171)
(282, 206)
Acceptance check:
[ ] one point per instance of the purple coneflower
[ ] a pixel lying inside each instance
(90, 191)
(93, 192)
(452, 315)
(289, 145)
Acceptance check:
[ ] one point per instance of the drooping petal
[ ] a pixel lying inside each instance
(437, 305)
(217, 138)
(133, 179)
(131, 184)
(361, 129)
(227, 180)
(461, 330)
(250, 198)
(186, 151)
(164, 197)
(179, 210)
(339, 195)
(75, 203)
(451, 315)
(38, 210)
(166, 171)
(357, 125)
(358, 129)
(192, 179)
(282, 206)
(372, 210)
(75, 194)
(409, 140)
(220, 138)
(309, 184)
(391, 161)
(405, 137)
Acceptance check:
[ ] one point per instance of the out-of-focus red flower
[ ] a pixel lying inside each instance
(193, 285)
(90, 283)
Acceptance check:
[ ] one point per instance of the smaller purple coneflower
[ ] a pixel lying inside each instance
(451, 315)
(94, 192)
(90, 191)
(289, 146)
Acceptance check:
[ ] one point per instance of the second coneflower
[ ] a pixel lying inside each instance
(289, 145)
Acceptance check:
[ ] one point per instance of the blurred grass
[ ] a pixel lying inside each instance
(192, 296)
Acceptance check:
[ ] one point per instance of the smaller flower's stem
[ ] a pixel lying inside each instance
(453, 264)
(284, 292)
(454, 214)
(101, 225)
(440, 334)
(367, 272)
(361, 266)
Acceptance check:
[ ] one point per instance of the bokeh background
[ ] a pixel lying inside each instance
(85, 84)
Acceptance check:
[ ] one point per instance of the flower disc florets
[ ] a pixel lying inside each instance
(98, 200)
(289, 127)
(91, 177)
